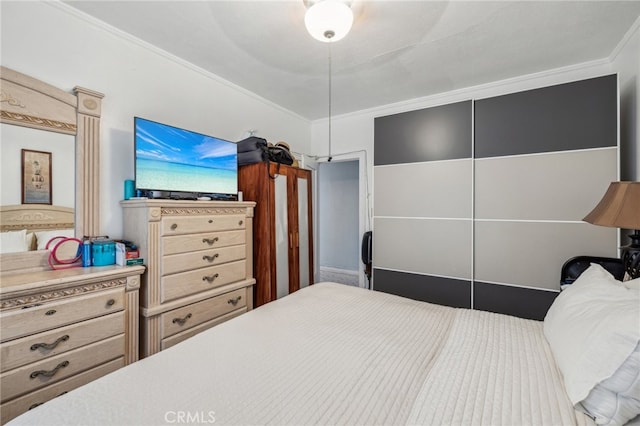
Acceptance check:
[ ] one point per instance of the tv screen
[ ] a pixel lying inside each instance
(171, 159)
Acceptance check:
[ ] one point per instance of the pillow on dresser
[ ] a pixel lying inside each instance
(43, 237)
(592, 329)
(14, 241)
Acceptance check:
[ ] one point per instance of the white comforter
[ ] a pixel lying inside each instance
(333, 354)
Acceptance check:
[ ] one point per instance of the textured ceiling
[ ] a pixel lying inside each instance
(396, 50)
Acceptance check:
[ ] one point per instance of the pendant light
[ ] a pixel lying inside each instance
(329, 21)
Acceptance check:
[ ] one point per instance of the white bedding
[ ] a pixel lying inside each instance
(333, 354)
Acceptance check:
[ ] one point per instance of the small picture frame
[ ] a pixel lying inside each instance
(36, 177)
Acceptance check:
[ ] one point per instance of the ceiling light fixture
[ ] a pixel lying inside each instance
(328, 20)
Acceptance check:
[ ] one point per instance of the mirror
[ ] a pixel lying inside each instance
(13, 139)
(52, 113)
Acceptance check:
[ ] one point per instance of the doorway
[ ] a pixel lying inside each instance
(339, 221)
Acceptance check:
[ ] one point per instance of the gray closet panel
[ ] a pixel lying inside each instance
(430, 134)
(424, 246)
(550, 186)
(532, 253)
(443, 189)
(509, 300)
(427, 288)
(577, 115)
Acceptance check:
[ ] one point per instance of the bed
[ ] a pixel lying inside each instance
(334, 354)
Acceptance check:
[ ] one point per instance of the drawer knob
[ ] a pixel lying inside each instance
(49, 346)
(210, 220)
(49, 373)
(234, 301)
(241, 222)
(210, 241)
(210, 278)
(50, 312)
(111, 302)
(181, 321)
(210, 258)
(174, 226)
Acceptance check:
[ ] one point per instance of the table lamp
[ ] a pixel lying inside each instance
(620, 208)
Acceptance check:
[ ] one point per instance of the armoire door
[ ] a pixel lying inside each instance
(304, 237)
(299, 231)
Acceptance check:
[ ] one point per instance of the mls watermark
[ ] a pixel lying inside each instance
(190, 417)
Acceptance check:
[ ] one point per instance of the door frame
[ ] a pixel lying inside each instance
(360, 157)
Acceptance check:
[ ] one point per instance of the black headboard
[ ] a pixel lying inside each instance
(575, 266)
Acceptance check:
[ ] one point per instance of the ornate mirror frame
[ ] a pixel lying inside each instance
(26, 101)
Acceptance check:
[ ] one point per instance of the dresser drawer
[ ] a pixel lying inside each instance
(210, 240)
(39, 374)
(200, 259)
(186, 283)
(184, 335)
(191, 224)
(24, 403)
(189, 316)
(22, 322)
(34, 348)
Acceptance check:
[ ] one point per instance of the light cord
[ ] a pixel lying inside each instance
(329, 157)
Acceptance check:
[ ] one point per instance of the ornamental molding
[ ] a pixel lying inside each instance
(53, 295)
(90, 104)
(9, 99)
(193, 211)
(39, 226)
(37, 121)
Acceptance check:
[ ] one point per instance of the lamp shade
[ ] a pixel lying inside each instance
(619, 207)
(328, 20)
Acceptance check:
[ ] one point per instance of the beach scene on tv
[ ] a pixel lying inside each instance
(173, 159)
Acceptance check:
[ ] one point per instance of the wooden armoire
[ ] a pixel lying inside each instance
(283, 228)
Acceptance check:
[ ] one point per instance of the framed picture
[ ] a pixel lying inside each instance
(36, 177)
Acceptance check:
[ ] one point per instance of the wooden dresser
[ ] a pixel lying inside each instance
(62, 329)
(199, 266)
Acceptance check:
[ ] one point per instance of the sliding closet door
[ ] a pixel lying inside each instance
(422, 204)
(544, 158)
(484, 217)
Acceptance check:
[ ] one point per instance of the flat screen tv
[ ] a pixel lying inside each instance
(178, 161)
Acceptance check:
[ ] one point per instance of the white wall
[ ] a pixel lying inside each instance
(65, 48)
(626, 62)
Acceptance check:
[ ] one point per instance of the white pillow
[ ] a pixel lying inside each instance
(616, 400)
(13, 241)
(43, 237)
(593, 327)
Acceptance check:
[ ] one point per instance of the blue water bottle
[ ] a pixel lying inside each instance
(86, 252)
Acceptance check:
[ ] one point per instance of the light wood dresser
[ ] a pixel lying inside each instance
(199, 266)
(62, 329)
